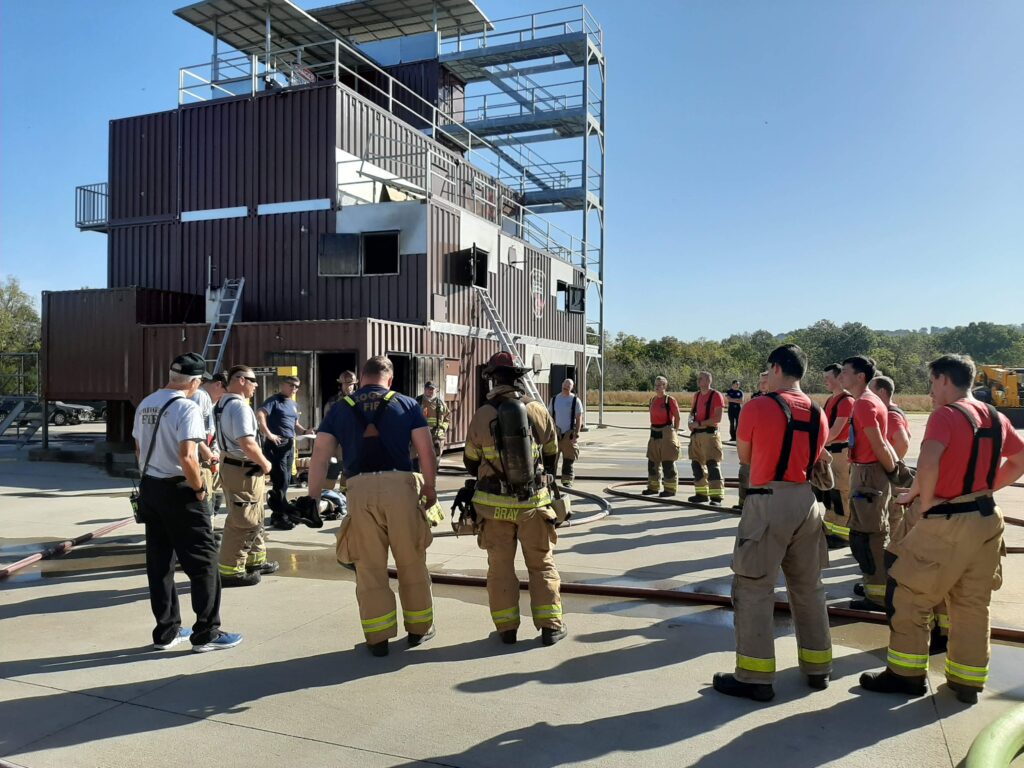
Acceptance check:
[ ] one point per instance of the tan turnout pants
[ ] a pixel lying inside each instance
(705, 454)
(243, 542)
(662, 455)
(900, 524)
(837, 516)
(781, 530)
(956, 558)
(534, 530)
(569, 452)
(869, 526)
(384, 511)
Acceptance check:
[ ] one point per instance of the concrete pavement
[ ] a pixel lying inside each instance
(630, 686)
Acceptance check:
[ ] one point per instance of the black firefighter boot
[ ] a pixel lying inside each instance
(889, 682)
(726, 682)
(550, 636)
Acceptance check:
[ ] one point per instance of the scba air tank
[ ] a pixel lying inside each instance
(516, 446)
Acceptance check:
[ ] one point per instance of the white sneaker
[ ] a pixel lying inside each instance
(183, 635)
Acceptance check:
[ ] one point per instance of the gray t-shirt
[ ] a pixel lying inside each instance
(237, 420)
(202, 399)
(562, 411)
(181, 421)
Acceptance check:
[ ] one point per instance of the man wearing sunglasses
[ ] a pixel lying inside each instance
(243, 553)
(278, 419)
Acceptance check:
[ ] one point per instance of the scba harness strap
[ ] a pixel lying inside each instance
(812, 429)
(668, 410)
(707, 404)
(374, 456)
(833, 411)
(993, 432)
(572, 418)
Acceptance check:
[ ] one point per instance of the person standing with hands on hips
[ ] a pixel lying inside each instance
(174, 506)
(244, 470)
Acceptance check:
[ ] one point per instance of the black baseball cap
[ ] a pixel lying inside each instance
(190, 364)
(429, 385)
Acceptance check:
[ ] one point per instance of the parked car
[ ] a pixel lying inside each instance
(60, 414)
(99, 407)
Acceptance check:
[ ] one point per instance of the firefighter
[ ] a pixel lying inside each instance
(781, 437)
(734, 395)
(435, 411)
(567, 412)
(388, 504)
(871, 461)
(954, 550)
(243, 471)
(278, 420)
(663, 444)
(347, 382)
(838, 409)
(705, 451)
(897, 433)
(512, 449)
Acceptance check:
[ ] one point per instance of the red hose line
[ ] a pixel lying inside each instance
(673, 596)
(63, 547)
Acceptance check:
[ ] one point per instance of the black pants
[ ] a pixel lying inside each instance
(178, 529)
(734, 420)
(280, 458)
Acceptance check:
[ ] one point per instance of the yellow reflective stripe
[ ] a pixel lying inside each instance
(489, 451)
(389, 395)
(505, 616)
(838, 530)
(230, 570)
(943, 620)
(974, 674)
(716, 493)
(349, 400)
(701, 489)
(907, 660)
(471, 452)
(380, 623)
(540, 499)
(434, 513)
(547, 611)
(418, 617)
(874, 590)
(751, 664)
(815, 657)
(258, 558)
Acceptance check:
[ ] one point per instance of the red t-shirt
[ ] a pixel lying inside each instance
(894, 421)
(842, 411)
(661, 417)
(949, 427)
(701, 399)
(869, 411)
(763, 425)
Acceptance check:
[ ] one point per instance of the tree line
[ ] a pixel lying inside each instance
(632, 362)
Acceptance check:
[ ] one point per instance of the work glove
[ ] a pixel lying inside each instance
(902, 476)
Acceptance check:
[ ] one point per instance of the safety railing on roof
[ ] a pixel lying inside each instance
(91, 206)
(530, 100)
(569, 20)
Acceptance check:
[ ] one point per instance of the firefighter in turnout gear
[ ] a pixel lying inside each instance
(782, 437)
(954, 550)
(838, 410)
(435, 411)
(872, 460)
(705, 445)
(512, 449)
(663, 444)
(389, 505)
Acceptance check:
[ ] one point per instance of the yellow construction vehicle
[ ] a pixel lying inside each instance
(1004, 388)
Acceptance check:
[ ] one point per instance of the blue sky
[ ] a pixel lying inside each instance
(769, 163)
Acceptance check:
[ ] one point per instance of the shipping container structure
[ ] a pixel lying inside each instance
(344, 162)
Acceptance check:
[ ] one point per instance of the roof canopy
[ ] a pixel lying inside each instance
(363, 21)
(242, 24)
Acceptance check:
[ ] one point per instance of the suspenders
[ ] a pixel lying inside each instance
(833, 412)
(707, 405)
(994, 432)
(811, 427)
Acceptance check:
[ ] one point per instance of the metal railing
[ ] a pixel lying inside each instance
(91, 206)
(574, 19)
(529, 100)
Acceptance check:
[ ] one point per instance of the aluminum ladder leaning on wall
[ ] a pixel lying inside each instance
(505, 340)
(220, 330)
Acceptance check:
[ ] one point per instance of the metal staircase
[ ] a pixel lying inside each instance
(19, 407)
(505, 340)
(220, 329)
(30, 430)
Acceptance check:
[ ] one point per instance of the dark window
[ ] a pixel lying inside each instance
(480, 267)
(380, 253)
(339, 255)
(468, 267)
(576, 300)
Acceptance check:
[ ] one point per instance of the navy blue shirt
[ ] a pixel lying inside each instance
(738, 393)
(282, 413)
(396, 424)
